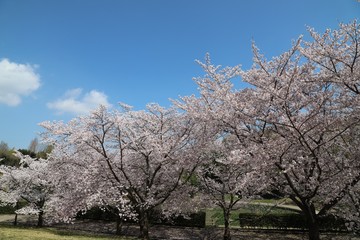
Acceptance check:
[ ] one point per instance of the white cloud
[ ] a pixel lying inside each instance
(74, 102)
(16, 80)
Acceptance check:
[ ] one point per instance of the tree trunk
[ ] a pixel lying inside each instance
(40, 219)
(144, 224)
(312, 222)
(227, 235)
(40, 206)
(15, 220)
(118, 225)
(312, 219)
(314, 231)
(16, 216)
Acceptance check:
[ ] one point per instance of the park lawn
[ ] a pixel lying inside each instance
(285, 201)
(20, 233)
(214, 216)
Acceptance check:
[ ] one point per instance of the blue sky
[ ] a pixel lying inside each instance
(61, 58)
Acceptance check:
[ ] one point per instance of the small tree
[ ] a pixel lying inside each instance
(34, 145)
(28, 182)
(7, 155)
(222, 181)
(4, 147)
(231, 170)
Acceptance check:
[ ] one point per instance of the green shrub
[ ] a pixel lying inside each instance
(278, 221)
(193, 220)
(96, 213)
(7, 209)
(9, 159)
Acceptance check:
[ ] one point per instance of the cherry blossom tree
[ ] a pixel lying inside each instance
(83, 185)
(138, 158)
(29, 182)
(84, 176)
(311, 111)
(230, 173)
(224, 182)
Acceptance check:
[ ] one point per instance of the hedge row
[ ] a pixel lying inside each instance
(97, 214)
(194, 219)
(283, 220)
(288, 221)
(7, 210)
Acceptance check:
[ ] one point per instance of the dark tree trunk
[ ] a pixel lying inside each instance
(144, 224)
(314, 231)
(312, 222)
(40, 219)
(15, 219)
(40, 205)
(226, 235)
(311, 216)
(119, 223)
(16, 216)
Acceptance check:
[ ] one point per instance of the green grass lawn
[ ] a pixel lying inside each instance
(214, 216)
(286, 201)
(20, 233)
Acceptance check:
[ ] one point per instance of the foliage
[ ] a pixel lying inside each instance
(97, 213)
(6, 209)
(191, 220)
(44, 152)
(27, 152)
(8, 158)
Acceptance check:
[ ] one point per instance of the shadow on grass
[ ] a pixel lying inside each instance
(32, 230)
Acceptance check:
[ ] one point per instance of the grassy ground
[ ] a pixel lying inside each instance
(9, 232)
(20, 233)
(286, 201)
(85, 231)
(214, 216)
